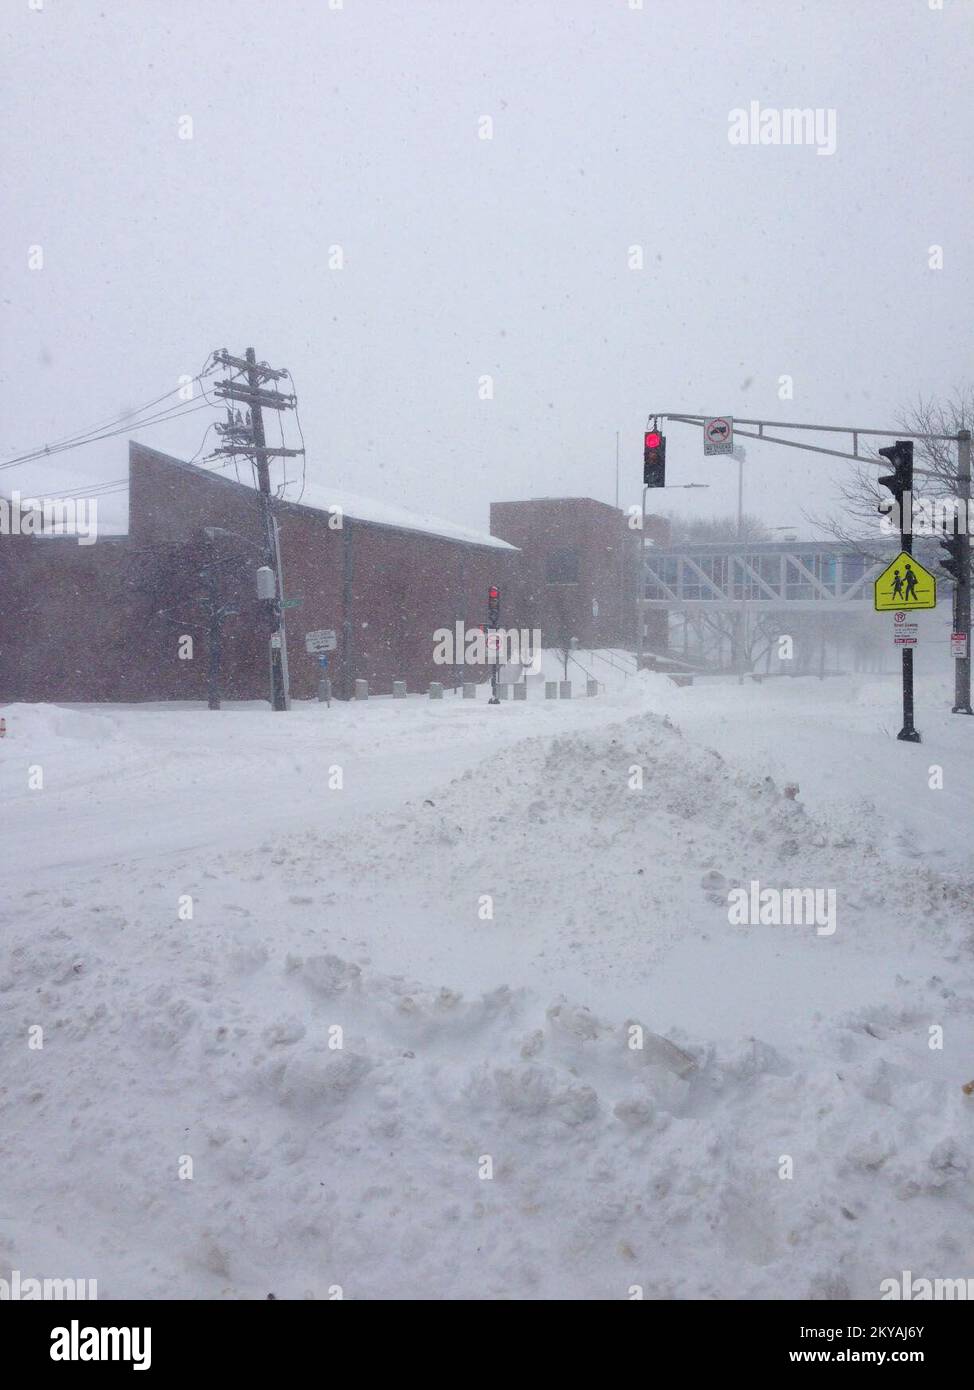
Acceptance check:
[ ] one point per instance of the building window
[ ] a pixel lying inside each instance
(562, 566)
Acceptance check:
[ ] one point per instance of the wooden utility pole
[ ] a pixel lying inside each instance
(251, 393)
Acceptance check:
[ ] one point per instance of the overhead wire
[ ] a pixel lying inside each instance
(126, 419)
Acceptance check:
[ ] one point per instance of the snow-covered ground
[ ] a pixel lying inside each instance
(484, 907)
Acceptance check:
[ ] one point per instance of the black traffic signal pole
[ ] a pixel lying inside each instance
(654, 475)
(962, 578)
(900, 484)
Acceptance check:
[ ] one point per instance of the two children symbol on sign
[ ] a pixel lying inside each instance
(905, 584)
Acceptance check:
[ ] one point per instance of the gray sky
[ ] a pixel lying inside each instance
(358, 127)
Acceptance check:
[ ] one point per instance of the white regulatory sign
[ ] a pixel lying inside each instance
(718, 435)
(323, 639)
(904, 634)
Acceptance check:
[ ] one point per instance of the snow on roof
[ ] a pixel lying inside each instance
(322, 499)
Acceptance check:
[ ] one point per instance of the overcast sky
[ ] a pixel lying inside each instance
(360, 127)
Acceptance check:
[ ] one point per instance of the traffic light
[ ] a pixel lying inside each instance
(654, 459)
(957, 553)
(493, 605)
(900, 481)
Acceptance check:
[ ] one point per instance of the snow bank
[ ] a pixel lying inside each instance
(594, 1090)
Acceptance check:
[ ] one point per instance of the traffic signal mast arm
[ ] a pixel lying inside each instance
(762, 425)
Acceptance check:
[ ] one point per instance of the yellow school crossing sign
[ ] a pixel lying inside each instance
(905, 585)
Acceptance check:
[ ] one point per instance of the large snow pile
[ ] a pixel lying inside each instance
(487, 1127)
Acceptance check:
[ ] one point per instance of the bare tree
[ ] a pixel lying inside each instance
(562, 636)
(935, 470)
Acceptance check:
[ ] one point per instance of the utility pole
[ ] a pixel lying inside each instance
(251, 392)
(962, 583)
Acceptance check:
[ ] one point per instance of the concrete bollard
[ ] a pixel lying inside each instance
(551, 690)
(469, 690)
(436, 690)
(565, 690)
(520, 691)
(361, 690)
(591, 687)
(399, 690)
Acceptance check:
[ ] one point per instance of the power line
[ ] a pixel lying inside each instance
(51, 451)
(128, 419)
(304, 454)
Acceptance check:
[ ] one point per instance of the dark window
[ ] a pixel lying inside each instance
(562, 566)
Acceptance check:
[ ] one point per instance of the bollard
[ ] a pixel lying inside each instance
(520, 691)
(361, 690)
(565, 690)
(469, 690)
(324, 690)
(591, 687)
(436, 690)
(551, 690)
(399, 690)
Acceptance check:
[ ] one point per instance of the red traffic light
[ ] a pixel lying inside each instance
(652, 440)
(492, 592)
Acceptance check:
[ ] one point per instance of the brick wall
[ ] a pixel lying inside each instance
(104, 622)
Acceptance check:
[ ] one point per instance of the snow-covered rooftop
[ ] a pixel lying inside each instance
(381, 513)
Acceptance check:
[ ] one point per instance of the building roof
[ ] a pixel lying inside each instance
(381, 513)
(525, 501)
(315, 497)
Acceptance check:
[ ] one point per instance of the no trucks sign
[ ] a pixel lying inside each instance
(718, 435)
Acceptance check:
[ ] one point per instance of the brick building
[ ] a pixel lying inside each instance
(577, 569)
(110, 621)
(106, 621)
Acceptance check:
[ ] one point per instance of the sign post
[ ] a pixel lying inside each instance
(319, 643)
(493, 639)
